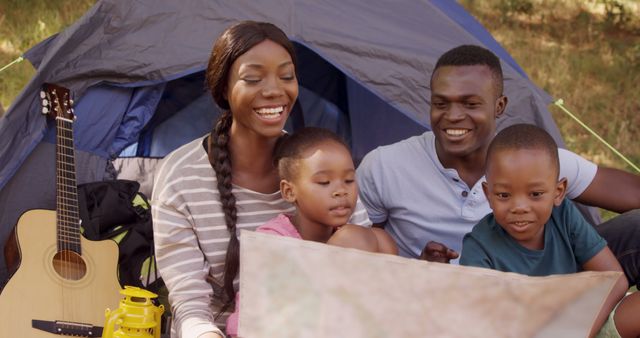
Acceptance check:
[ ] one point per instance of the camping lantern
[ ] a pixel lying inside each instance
(135, 317)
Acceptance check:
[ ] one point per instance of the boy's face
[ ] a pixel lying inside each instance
(324, 189)
(522, 188)
(464, 107)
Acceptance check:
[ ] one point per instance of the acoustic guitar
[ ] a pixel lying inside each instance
(64, 282)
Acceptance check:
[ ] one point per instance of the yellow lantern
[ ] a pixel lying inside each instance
(136, 316)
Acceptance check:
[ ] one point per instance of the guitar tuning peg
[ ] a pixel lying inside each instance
(45, 110)
(42, 94)
(45, 102)
(71, 102)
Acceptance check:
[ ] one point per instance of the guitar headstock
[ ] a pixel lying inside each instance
(56, 101)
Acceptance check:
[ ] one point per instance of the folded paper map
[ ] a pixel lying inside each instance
(295, 288)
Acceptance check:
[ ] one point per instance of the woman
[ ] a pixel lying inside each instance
(197, 211)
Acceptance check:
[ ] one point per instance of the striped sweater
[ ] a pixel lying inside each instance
(191, 236)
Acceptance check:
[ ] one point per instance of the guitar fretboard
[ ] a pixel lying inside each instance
(67, 216)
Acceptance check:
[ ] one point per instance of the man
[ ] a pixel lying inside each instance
(429, 187)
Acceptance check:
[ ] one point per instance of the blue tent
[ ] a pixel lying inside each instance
(135, 69)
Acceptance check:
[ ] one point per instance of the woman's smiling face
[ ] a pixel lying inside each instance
(262, 89)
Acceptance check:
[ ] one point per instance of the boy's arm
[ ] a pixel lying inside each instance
(606, 261)
(473, 253)
(612, 189)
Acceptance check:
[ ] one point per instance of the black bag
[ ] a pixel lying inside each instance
(108, 210)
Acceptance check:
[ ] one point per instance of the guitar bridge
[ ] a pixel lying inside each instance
(63, 328)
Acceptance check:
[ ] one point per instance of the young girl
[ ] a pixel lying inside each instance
(318, 177)
(208, 189)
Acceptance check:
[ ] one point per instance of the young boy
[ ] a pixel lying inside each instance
(534, 231)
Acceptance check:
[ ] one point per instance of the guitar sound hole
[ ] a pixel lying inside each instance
(69, 265)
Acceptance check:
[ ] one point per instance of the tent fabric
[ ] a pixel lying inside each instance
(132, 65)
(118, 116)
(388, 48)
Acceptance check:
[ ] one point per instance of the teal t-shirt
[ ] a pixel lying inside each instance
(569, 242)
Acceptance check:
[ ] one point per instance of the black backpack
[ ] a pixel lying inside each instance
(117, 210)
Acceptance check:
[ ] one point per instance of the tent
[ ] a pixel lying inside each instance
(135, 69)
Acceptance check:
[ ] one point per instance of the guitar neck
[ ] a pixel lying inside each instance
(67, 216)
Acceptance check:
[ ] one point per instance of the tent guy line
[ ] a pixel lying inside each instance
(560, 104)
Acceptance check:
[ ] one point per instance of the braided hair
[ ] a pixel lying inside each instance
(234, 41)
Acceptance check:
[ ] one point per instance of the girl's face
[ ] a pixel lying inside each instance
(262, 89)
(324, 189)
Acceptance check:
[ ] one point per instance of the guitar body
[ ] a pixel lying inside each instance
(38, 291)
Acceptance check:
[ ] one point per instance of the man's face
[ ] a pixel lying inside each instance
(464, 106)
(522, 187)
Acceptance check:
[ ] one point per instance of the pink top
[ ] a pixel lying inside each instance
(280, 225)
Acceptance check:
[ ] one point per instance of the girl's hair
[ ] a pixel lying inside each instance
(234, 41)
(291, 148)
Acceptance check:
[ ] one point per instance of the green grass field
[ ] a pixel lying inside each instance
(24, 23)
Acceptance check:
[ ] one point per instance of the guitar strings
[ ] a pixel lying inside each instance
(59, 191)
(69, 219)
(68, 226)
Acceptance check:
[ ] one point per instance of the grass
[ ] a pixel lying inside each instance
(24, 23)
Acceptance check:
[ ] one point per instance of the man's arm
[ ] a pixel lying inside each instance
(369, 183)
(438, 252)
(612, 189)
